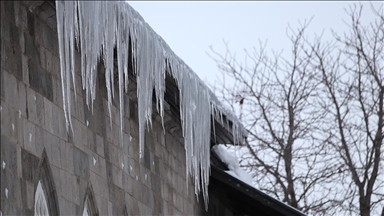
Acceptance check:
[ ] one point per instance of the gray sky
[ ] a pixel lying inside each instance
(190, 28)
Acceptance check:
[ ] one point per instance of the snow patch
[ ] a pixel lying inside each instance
(94, 161)
(233, 164)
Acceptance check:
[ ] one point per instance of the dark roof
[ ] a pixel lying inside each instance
(245, 199)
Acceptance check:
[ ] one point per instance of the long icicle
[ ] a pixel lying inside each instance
(96, 28)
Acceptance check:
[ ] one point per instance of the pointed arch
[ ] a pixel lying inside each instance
(41, 206)
(90, 207)
(45, 186)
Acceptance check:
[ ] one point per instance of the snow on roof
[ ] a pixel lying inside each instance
(97, 28)
(233, 164)
(236, 171)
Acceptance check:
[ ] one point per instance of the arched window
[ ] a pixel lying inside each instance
(90, 208)
(46, 202)
(41, 206)
(85, 211)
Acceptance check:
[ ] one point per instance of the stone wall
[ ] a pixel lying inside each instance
(90, 162)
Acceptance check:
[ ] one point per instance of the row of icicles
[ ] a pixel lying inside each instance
(96, 28)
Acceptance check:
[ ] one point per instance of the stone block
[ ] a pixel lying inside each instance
(57, 93)
(9, 122)
(126, 144)
(40, 80)
(156, 164)
(21, 16)
(29, 195)
(31, 48)
(134, 129)
(134, 168)
(128, 183)
(117, 175)
(10, 31)
(64, 182)
(59, 126)
(30, 163)
(31, 105)
(40, 141)
(40, 110)
(102, 205)
(53, 65)
(43, 58)
(164, 191)
(67, 157)
(131, 204)
(46, 36)
(110, 208)
(79, 132)
(91, 140)
(115, 155)
(18, 162)
(8, 156)
(116, 196)
(29, 137)
(147, 158)
(66, 207)
(137, 190)
(165, 205)
(49, 139)
(49, 119)
(74, 184)
(134, 151)
(97, 164)
(81, 163)
(21, 101)
(10, 89)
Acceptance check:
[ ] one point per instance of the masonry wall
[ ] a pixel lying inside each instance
(35, 145)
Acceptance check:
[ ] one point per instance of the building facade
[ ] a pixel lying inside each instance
(47, 168)
(95, 166)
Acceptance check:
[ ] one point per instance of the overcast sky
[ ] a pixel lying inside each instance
(190, 28)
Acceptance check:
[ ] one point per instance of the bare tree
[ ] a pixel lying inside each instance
(351, 72)
(275, 98)
(315, 120)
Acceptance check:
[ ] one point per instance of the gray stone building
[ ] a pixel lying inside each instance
(86, 169)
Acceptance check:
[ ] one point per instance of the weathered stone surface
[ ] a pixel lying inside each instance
(81, 165)
(11, 58)
(30, 164)
(40, 80)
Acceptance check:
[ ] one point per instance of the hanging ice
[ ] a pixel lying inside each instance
(96, 29)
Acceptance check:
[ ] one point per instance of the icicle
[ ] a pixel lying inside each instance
(96, 28)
